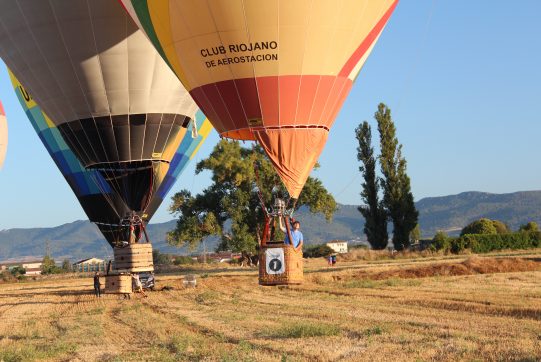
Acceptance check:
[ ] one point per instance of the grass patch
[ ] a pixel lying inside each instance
(391, 282)
(29, 352)
(208, 297)
(303, 329)
(373, 331)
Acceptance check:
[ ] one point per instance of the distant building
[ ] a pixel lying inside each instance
(32, 267)
(339, 246)
(89, 265)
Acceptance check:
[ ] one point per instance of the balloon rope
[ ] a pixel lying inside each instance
(259, 194)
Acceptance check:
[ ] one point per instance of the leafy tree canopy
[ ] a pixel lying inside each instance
(48, 266)
(501, 227)
(481, 226)
(531, 226)
(230, 207)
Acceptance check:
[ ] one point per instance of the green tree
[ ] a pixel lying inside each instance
(375, 225)
(230, 207)
(531, 226)
(17, 270)
(415, 234)
(501, 228)
(318, 251)
(161, 258)
(481, 226)
(440, 242)
(397, 196)
(48, 266)
(66, 265)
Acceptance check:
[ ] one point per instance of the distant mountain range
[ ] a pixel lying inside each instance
(81, 239)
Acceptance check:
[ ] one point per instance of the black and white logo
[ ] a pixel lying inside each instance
(274, 258)
(275, 265)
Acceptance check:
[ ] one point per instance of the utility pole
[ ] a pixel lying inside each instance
(48, 248)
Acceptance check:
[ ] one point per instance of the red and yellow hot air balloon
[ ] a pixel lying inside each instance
(277, 71)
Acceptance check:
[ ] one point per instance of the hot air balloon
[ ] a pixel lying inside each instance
(3, 135)
(276, 71)
(88, 185)
(115, 102)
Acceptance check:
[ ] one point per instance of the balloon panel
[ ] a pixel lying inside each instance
(3, 135)
(99, 202)
(275, 71)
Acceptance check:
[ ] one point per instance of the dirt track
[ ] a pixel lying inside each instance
(360, 311)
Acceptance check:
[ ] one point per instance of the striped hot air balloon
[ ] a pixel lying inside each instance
(3, 135)
(277, 71)
(115, 112)
(100, 203)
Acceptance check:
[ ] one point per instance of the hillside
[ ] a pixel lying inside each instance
(455, 211)
(81, 239)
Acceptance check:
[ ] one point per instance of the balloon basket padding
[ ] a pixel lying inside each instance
(118, 284)
(293, 273)
(134, 258)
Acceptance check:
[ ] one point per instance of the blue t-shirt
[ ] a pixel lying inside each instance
(297, 238)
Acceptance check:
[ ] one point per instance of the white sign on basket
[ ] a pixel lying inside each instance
(275, 261)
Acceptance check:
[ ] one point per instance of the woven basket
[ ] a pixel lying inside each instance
(291, 272)
(118, 284)
(134, 258)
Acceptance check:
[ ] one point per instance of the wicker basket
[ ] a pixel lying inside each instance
(134, 258)
(280, 264)
(118, 284)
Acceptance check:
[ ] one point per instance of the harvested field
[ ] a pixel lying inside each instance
(442, 309)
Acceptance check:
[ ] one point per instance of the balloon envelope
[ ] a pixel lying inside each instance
(115, 102)
(277, 71)
(99, 203)
(3, 135)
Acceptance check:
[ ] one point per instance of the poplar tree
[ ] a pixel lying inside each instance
(375, 226)
(397, 196)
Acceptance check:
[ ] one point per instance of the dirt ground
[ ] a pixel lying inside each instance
(417, 309)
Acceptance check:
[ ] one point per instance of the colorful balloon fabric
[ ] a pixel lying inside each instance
(99, 202)
(3, 135)
(277, 71)
(113, 100)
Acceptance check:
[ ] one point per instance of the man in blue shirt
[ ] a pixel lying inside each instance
(296, 234)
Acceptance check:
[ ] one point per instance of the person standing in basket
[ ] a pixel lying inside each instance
(97, 290)
(296, 233)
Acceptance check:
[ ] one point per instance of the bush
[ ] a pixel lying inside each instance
(531, 226)
(440, 242)
(485, 243)
(17, 270)
(317, 251)
(182, 260)
(481, 226)
(160, 258)
(501, 228)
(48, 266)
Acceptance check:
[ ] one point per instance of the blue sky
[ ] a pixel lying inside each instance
(462, 77)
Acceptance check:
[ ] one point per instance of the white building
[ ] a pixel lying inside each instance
(89, 265)
(339, 246)
(32, 267)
